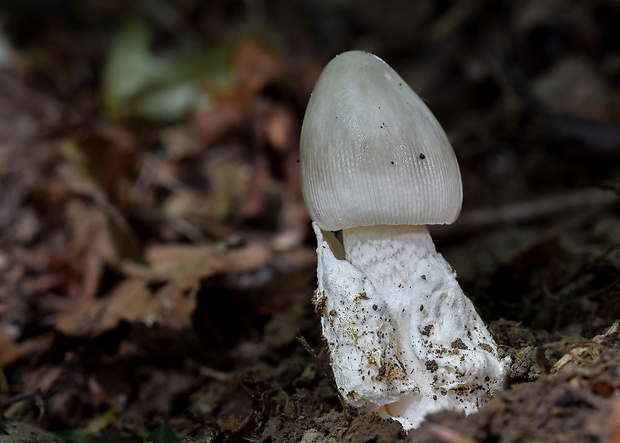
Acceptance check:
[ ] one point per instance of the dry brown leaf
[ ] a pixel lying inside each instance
(43, 378)
(163, 293)
(182, 264)
(131, 301)
(98, 166)
(214, 124)
(245, 259)
(104, 155)
(10, 351)
(256, 67)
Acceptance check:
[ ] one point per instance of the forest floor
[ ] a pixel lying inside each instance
(156, 260)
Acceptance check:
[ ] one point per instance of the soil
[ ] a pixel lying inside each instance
(156, 260)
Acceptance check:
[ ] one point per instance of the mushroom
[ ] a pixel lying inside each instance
(404, 339)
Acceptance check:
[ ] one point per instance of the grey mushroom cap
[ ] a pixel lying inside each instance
(372, 153)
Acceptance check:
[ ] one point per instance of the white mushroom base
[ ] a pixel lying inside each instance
(404, 339)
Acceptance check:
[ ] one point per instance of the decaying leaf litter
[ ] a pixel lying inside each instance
(157, 264)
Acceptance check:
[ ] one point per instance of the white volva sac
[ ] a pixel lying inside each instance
(375, 163)
(409, 344)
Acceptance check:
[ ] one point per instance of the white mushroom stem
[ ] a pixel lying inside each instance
(390, 255)
(405, 341)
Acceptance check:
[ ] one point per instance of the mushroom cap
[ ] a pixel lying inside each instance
(372, 153)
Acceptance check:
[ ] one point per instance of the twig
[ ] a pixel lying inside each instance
(529, 211)
(34, 394)
(308, 348)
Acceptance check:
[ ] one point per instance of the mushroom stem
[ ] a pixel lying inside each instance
(389, 255)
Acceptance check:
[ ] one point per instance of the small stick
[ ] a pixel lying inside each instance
(308, 348)
(37, 393)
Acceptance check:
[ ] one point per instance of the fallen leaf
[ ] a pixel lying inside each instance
(13, 351)
(162, 293)
(256, 67)
(131, 301)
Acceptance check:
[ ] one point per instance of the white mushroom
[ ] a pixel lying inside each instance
(375, 163)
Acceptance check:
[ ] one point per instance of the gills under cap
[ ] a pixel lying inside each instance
(372, 153)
